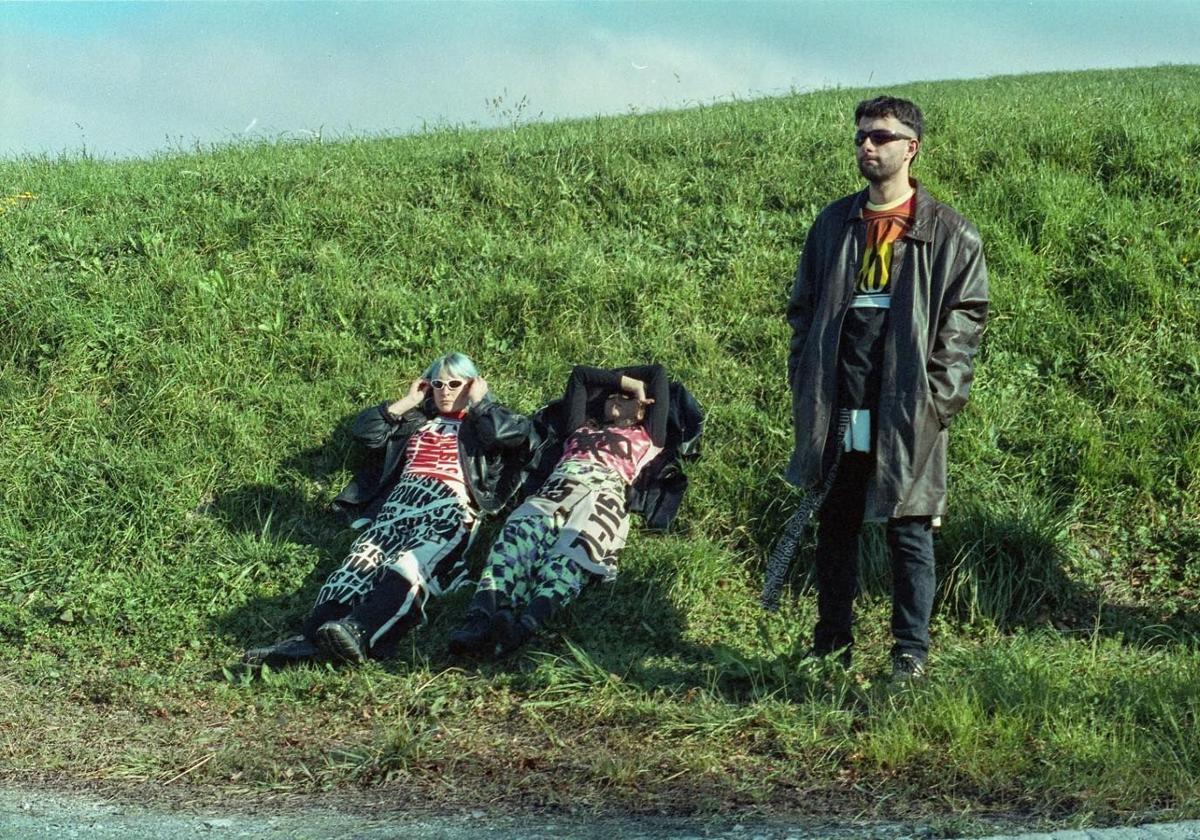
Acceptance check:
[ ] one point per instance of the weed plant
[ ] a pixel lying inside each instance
(183, 339)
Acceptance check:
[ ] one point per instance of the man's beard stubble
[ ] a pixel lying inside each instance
(877, 172)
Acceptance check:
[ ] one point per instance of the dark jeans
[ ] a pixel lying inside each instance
(910, 542)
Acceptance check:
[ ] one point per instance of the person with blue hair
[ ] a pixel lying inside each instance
(444, 454)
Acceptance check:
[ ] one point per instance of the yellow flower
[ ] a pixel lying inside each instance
(9, 200)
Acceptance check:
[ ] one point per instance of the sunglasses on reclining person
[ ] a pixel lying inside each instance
(439, 384)
(878, 137)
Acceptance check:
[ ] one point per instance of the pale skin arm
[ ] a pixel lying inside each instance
(477, 391)
(636, 387)
(411, 400)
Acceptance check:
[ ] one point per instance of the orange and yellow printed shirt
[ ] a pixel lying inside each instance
(885, 224)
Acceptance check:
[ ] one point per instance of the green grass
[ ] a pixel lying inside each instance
(182, 339)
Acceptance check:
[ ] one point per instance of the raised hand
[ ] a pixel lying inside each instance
(414, 397)
(416, 391)
(637, 388)
(478, 390)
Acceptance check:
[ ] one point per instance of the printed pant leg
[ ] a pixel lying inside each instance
(397, 602)
(415, 548)
(914, 581)
(558, 580)
(836, 558)
(596, 522)
(514, 557)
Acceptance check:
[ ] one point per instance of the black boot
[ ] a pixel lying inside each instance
(345, 640)
(474, 637)
(511, 633)
(291, 651)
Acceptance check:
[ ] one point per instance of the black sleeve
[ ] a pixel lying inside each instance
(499, 427)
(657, 389)
(375, 426)
(583, 380)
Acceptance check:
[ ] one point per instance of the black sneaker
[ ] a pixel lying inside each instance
(344, 640)
(291, 651)
(906, 668)
(474, 638)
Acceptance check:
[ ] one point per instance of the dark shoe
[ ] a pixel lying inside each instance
(843, 655)
(474, 638)
(291, 651)
(344, 640)
(906, 668)
(510, 633)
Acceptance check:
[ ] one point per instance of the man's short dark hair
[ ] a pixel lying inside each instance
(889, 106)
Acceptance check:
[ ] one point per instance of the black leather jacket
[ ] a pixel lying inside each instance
(493, 447)
(938, 309)
(675, 422)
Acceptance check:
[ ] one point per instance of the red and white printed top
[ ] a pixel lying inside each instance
(433, 451)
(624, 450)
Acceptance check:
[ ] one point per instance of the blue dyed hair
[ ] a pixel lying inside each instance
(455, 364)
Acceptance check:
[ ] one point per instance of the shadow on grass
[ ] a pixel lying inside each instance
(630, 631)
(1013, 569)
(289, 512)
(1010, 568)
(1017, 571)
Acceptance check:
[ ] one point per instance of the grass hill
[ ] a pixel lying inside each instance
(182, 338)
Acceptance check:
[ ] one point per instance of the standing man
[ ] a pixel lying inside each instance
(887, 311)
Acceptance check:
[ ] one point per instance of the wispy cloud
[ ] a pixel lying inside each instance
(133, 79)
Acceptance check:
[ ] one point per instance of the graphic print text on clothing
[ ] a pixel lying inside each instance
(415, 547)
(435, 459)
(572, 529)
(623, 450)
(599, 462)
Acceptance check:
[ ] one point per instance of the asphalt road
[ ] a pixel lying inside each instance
(31, 815)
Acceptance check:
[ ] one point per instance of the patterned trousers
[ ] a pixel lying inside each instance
(522, 567)
(415, 548)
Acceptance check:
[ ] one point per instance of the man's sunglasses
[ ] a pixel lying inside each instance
(439, 384)
(878, 137)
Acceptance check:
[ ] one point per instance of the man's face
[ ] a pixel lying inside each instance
(880, 162)
(622, 409)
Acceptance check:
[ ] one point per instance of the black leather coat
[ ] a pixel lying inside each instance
(493, 446)
(938, 309)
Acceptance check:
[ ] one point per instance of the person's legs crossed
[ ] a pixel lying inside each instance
(348, 584)
(396, 603)
(415, 548)
(505, 583)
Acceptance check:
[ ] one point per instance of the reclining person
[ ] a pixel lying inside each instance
(449, 454)
(614, 423)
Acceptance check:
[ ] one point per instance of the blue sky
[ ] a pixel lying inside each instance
(123, 79)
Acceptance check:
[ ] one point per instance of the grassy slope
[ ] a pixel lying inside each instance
(181, 338)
